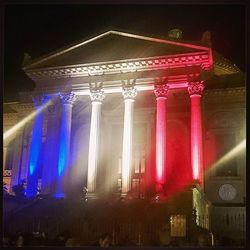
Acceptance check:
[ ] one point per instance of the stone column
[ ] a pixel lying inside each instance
(96, 96)
(35, 148)
(25, 155)
(161, 135)
(16, 166)
(129, 93)
(67, 100)
(195, 90)
(50, 151)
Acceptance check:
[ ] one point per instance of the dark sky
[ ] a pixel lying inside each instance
(40, 29)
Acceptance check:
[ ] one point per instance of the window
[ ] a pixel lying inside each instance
(178, 225)
(225, 143)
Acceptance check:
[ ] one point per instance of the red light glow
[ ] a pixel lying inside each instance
(196, 137)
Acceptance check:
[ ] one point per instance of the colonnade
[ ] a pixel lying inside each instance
(129, 91)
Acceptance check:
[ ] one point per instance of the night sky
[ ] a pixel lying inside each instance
(40, 29)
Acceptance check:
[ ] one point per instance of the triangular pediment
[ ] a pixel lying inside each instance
(113, 46)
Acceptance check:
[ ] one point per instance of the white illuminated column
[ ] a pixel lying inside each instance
(161, 135)
(129, 93)
(195, 90)
(97, 96)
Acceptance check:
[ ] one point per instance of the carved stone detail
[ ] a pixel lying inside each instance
(161, 90)
(96, 92)
(125, 66)
(51, 109)
(129, 93)
(128, 89)
(7, 173)
(68, 98)
(97, 95)
(39, 100)
(195, 88)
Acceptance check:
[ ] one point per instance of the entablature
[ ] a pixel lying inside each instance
(201, 59)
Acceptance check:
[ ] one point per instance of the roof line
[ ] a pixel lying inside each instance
(117, 33)
(188, 45)
(113, 62)
(68, 49)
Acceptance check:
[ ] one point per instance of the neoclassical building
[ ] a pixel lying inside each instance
(128, 115)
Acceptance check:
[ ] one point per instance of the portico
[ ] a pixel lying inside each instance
(171, 66)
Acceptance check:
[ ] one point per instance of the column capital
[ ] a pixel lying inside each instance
(97, 95)
(68, 98)
(195, 88)
(129, 92)
(52, 109)
(128, 89)
(161, 90)
(39, 100)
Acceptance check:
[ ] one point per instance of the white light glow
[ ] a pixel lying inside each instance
(24, 121)
(228, 156)
(111, 90)
(93, 145)
(127, 145)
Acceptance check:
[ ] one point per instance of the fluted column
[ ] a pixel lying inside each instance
(25, 155)
(129, 94)
(67, 100)
(96, 96)
(51, 149)
(16, 166)
(35, 148)
(161, 135)
(195, 90)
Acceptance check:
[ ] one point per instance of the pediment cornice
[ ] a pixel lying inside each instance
(201, 59)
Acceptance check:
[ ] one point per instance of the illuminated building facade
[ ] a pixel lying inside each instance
(128, 115)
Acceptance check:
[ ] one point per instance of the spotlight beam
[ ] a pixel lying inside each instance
(24, 121)
(229, 155)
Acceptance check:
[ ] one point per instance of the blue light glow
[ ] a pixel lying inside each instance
(62, 161)
(59, 195)
(35, 150)
(64, 148)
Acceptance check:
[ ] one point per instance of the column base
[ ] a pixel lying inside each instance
(124, 195)
(159, 188)
(92, 196)
(195, 183)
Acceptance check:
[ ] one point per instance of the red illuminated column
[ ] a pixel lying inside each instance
(129, 93)
(195, 90)
(96, 96)
(161, 137)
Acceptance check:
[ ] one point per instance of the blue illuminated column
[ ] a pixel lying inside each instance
(67, 100)
(35, 148)
(50, 158)
(129, 93)
(97, 96)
